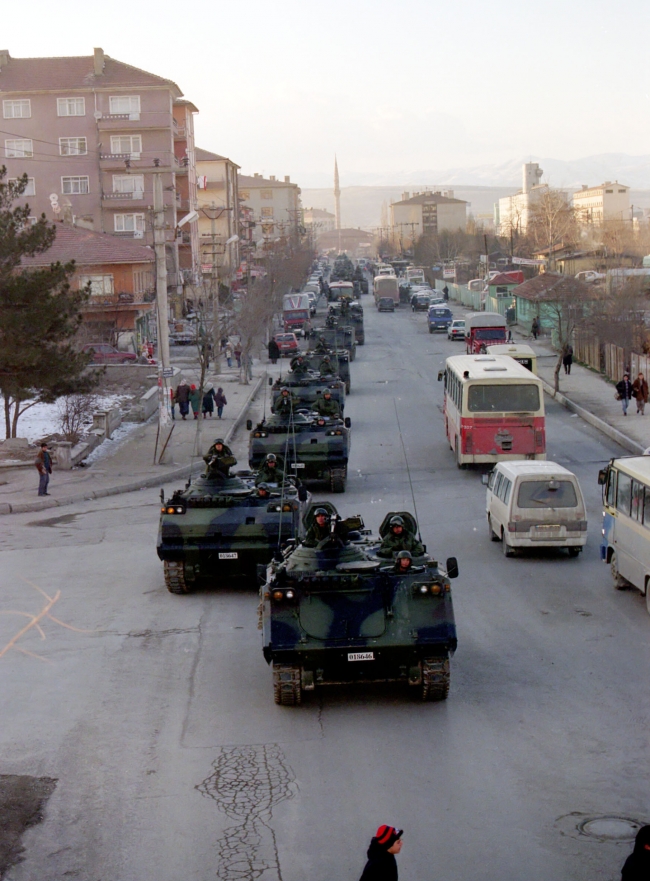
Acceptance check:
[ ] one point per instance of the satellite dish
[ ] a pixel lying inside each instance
(98, 114)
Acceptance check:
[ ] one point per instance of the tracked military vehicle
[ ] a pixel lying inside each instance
(314, 449)
(340, 360)
(333, 613)
(350, 313)
(218, 529)
(336, 336)
(308, 389)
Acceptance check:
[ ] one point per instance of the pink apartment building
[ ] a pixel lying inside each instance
(89, 132)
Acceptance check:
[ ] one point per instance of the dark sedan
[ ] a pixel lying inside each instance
(385, 304)
(420, 303)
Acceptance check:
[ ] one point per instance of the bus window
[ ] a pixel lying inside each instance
(547, 494)
(497, 484)
(624, 494)
(501, 398)
(506, 493)
(637, 500)
(611, 488)
(646, 507)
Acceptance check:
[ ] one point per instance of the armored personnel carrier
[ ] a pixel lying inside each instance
(218, 528)
(337, 336)
(313, 448)
(351, 314)
(340, 360)
(334, 613)
(308, 389)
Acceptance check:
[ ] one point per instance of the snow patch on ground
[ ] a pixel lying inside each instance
(110, 447)
(42, 420)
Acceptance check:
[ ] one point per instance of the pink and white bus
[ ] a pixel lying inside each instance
(493, 409)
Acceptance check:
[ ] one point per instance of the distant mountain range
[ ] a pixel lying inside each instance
(631, 170)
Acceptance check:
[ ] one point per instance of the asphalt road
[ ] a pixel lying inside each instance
(155, 712)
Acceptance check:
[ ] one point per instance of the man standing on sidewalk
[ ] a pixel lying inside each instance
(44, 466)
(624, 392)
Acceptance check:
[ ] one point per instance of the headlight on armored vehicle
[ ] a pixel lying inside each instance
(423, 589)
(260, 434)
(173, 509)
(334, 433)
(283, 595)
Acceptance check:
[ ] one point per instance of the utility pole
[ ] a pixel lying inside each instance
(161, 270)
(213, 213)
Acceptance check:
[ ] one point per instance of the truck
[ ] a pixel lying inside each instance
(484, 329)
(386, 286)
(295, 313)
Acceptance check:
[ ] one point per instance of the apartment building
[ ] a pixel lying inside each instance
(275, 206)
(426, 213)
(218, 206)
(319, 220)
(597, 205)
(89, 132)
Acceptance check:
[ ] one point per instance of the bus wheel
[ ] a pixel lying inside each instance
(619, 582)
(491, 532)
(508, 550)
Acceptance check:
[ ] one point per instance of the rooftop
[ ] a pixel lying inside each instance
(206, 156)
(552, 286)
(75, 72)
(256, 180)
(599, 187)
(430, 198)
(88, 248)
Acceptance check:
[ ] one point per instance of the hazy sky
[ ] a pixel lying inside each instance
(282, 85)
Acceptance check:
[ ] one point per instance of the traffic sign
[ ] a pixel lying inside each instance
(168, 371)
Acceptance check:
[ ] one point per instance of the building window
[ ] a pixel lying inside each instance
(609, 191)
(73, 146)
(74, 186)
(124, 104)
(267, 212)
(20, 148)
(127, 144)
(20, 109)
(128, 183)
(30, 189)
(143, 281)
(266, 194)
(71, 106)
(244, 195)
(100, 285)
(129, 223)
(622, 191)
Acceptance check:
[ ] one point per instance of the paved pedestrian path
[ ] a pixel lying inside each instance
(131, 465)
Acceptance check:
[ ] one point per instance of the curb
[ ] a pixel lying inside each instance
(612, 433)
(146, 483)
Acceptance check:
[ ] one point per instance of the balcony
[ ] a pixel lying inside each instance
(117, 160)
(118, 200)
(123, 302)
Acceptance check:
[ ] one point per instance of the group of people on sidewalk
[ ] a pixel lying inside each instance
(187, 396)
(637, 390)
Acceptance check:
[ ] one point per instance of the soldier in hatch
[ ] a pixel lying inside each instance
(398, 538)
(219, 459)
(322, 345)
(322, 527)
(299, 368)
(325, 367)
(403, 562)
(327, 406)
(271, 471)
(285, 403)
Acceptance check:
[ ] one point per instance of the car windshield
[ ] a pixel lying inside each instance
(547, 494)
(459, 324)
(503, 398)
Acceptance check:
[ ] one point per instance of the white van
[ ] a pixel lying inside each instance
(535, 504)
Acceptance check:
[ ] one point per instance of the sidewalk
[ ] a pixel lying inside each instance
(591, 396)
(130, 467)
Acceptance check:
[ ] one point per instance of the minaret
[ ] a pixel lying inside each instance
(337, 197)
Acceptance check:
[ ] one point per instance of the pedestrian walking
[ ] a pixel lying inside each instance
(624, 392)
(220, 401)
(228, 354)
(183, 397)
(445, 293)
(172, 401)
(640, 392)
(247, 363)
(637, 865)
(44, 467)
(509, 335)
(274, 351)
(195, 400)
(238, 354)
(567, 359)
(384, 847)
(534, 327)
(207, 405)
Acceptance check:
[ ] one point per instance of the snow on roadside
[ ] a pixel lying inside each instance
(42, 420)
(110, 447)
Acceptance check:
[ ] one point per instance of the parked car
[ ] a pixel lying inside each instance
(456, 330)
(385, 304)
(420, 303)
(287, 344)
(105, 354)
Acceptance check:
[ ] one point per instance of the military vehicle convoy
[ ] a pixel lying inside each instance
(308, 389)
(313, 448)
(219, 528)
(333, 612)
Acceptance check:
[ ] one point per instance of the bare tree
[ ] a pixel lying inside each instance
(552, 222)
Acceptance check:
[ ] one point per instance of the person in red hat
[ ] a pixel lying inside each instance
(384, 847)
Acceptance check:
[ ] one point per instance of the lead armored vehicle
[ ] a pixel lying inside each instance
(314, 449)
(334, 613)
(336, 336)
(340, 360)
(219, 528)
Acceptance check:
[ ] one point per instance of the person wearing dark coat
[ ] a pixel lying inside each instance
(183, 397)
(384, 847)
(567, 359)
(207, 405)
(274, 351)
(220, 401)
(625, 392)
(637, 865)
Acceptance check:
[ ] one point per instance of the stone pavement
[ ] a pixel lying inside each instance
(131, 467)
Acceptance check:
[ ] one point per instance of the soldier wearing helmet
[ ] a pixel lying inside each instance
(263, 491)
(326, 405)
(319, 529)
(271, 470)
(322, 346)
(285, 403)
(399, 538)
(325, 367)
(219, 459)
(298, 367)
(403, 562)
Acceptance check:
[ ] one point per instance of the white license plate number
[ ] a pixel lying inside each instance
(361, 656)
(230, 555)
(297, 464)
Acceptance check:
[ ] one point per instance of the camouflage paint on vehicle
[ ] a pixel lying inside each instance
(340, 359)
(334, 614)
(336, 337)
(308, 390)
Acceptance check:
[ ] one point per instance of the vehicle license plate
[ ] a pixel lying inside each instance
(230, 555)
(548, 531)
(297, 464)
(361, 656)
